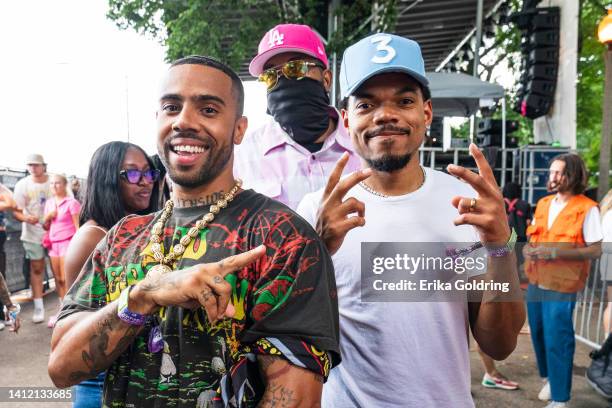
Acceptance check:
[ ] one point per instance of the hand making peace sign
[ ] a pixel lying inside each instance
(487, 211)
(333, 221)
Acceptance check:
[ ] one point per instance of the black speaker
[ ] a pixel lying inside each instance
(547, 55)
(530, 4)
(540, 39)
(533, 106)
(542, 71)
(542, 87)
(496, 140)
(546, 19)
(540, 51)
(494, 126)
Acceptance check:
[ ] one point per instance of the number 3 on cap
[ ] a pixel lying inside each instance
(383, 46)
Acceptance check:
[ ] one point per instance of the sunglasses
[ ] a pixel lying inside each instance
(291, 70)
(133, 176)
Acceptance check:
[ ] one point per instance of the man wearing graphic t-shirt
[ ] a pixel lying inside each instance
(244, 315)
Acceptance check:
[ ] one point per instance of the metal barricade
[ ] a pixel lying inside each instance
(505, 161)
(16, 279)
(589, 312)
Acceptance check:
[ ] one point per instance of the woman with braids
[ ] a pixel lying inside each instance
(122, 180)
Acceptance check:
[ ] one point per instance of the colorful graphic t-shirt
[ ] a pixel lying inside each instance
(285, 305)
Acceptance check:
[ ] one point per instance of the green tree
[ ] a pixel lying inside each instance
(501, 43)
(198, 26)
(590, 83)
(230, 30)
(506, 46)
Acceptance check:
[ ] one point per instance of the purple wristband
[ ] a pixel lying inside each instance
(125, 314)
(506, 249)
(496, 252)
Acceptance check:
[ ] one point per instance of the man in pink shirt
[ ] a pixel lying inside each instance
(294, 152)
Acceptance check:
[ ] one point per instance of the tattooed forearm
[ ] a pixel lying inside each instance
(5, 295)
(277, 395)
(199, 201)
(101, 352)
(288, 385)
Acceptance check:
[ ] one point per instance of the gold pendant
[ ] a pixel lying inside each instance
(158, 270)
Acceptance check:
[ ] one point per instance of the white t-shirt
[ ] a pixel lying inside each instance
(399, 354)
(591, 229)
(31, 198)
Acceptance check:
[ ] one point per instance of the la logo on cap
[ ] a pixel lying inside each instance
(275, 38)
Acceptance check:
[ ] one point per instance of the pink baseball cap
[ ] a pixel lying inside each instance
(288, 38)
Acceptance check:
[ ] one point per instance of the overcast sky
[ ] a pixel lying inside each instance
(69, 78)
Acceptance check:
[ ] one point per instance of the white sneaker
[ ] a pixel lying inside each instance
(1, 326)
(555, 404)
(544, 394)
(38, 316)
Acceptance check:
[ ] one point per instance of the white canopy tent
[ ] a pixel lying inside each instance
(457, 94)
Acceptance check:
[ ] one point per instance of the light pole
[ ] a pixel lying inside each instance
(604, 33)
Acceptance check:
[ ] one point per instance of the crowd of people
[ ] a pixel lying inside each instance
(226, 270)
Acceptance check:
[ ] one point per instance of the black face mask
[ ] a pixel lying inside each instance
(301, 107)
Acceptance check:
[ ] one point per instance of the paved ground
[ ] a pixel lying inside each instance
(24, 355)
(521, 367)
(23, 360)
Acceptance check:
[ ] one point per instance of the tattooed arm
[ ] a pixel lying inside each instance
(288, 385)
(86, 343)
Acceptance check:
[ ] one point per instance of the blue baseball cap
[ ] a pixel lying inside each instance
(377, 54)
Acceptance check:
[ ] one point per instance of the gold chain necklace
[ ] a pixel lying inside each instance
(165, 261)
(376, 193)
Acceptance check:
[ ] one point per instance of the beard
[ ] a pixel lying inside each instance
(554, 187)
(209, 171)
(390, 163)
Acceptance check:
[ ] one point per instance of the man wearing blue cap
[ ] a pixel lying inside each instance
(408, 354)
